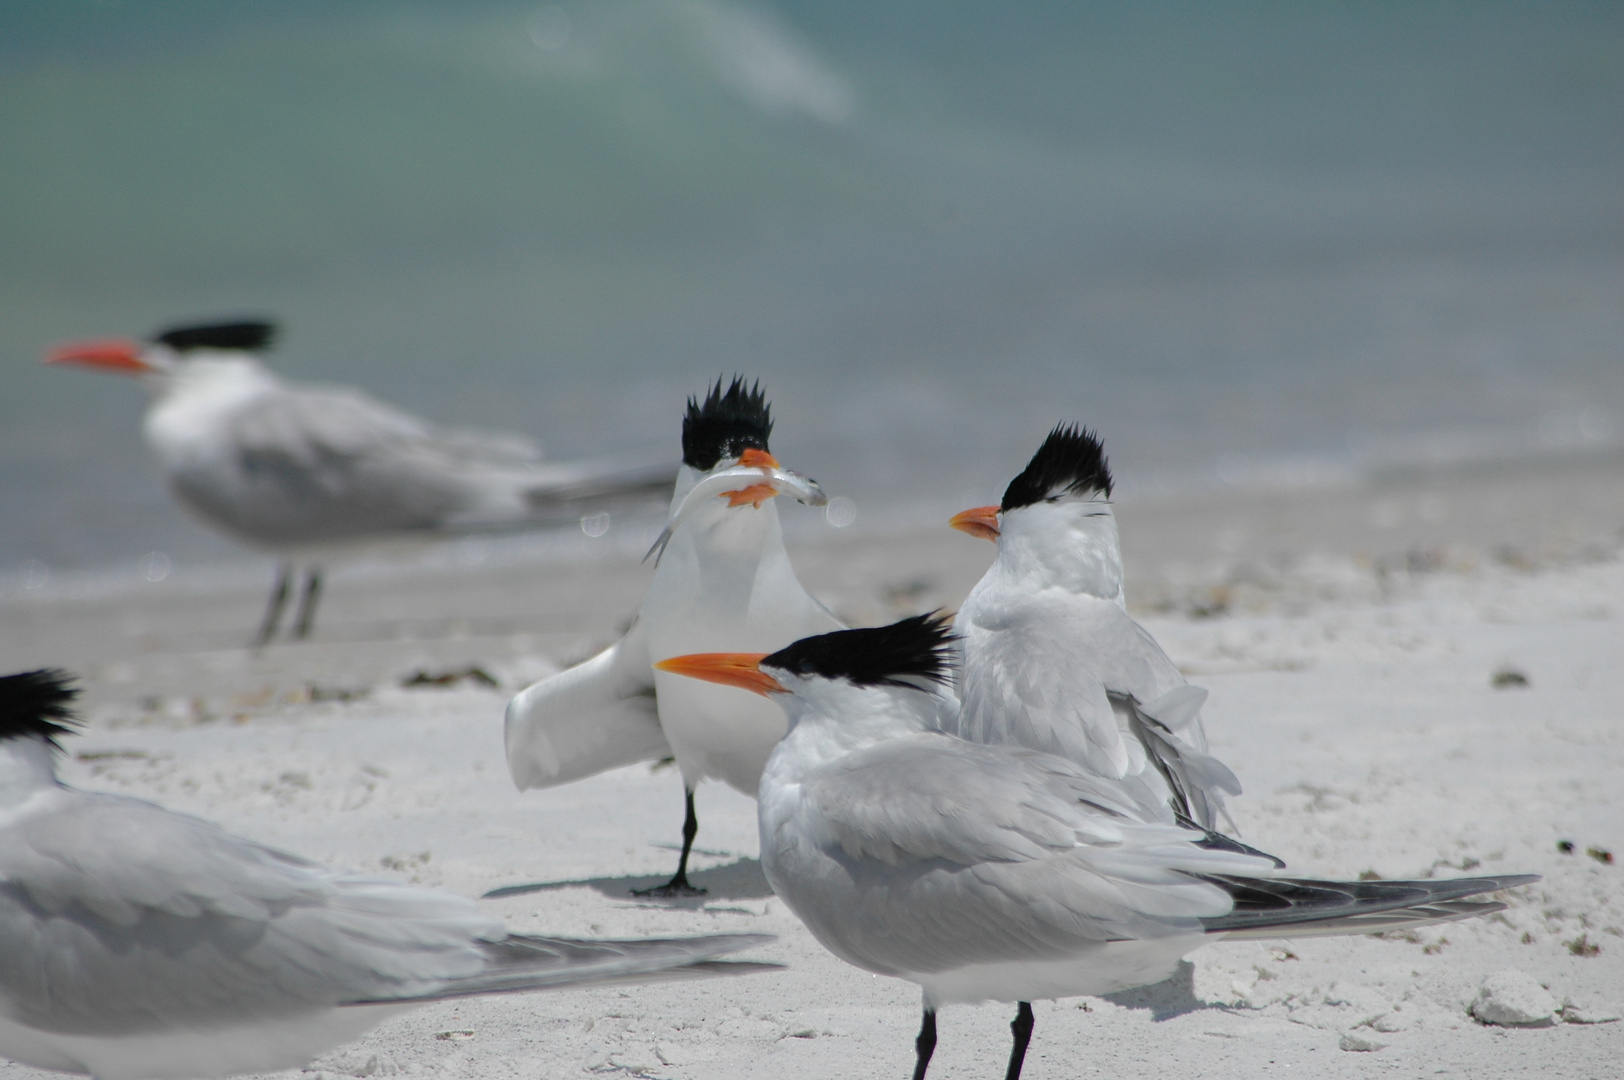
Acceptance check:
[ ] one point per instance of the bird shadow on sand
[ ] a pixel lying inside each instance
(738, 880)
(1173, 996)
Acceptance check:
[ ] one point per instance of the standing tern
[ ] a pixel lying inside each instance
(722, 581)
(308, 472)
(998, 872)
(138, 943)
(1052, 661)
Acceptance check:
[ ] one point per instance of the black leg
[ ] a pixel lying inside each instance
(678, 885)
(925, 1045)
(279, 600)
(307, 603)
(1022, 1028)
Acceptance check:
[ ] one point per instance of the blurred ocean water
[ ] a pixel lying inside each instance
(1251, 243)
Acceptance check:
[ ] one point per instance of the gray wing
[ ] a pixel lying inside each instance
(596, 716)
(315, 464)
(118, 917)
(1062, 674)
(988, 853)
(522, 962)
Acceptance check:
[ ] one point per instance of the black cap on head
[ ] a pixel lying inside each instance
(730, 422)
(36, 703)
(902, 654)
(247, 335)
(1070, 459)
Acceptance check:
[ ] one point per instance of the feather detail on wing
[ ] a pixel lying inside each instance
(1196, 781)
(989, 853)
(117, 917)
(596, 716)
(1072, 676)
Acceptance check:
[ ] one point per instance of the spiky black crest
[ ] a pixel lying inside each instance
(916, 648)
(1070, 459)
(36, 703)
(730, 422)
(248, 335)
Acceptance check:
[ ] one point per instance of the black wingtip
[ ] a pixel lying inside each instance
(1261, 903)
(1217, 841)
(725, 424)
(1070, 459)
(242, 335)
(905, 653)
(37, 704)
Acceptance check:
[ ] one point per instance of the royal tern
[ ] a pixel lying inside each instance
(139, 943)
(1053, 662)
(997, 872)
(305, 473)
(723, 581)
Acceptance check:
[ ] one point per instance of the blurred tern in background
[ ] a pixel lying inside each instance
(307, 473)
(996, 872)
(722, 581)
(138, 943)
(1052, 661)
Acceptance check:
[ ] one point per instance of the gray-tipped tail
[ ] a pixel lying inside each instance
(1294, 907)
(520, 962)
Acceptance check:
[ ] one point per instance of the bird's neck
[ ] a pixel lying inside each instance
(839, 719)
(1071, 546)
(27, 766)
(190, 397)
(222, 380)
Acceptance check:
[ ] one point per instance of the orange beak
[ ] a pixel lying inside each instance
(741, 669)
(979, 521)
(115, 354)
(758, 459)
(755, 494)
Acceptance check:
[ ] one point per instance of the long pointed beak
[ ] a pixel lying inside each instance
(741, 669)
(112, 354)
(979, 521)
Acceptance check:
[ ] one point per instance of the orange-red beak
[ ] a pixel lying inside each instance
(741, 669)
(758, 459)
(755, 494)
(114, 354)
(979, 521)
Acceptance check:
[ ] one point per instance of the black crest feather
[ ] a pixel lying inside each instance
(1070, 459)
(36, 703)
(916, 648)
(727, 423)
(246, 335)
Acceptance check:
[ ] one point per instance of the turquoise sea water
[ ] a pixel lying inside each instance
(1256, 241)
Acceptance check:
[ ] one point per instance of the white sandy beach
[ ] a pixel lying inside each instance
(1349, 638)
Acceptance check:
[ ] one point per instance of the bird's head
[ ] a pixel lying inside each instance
(177, 352)
(889, 673)
(727, 466)
(1055, 519)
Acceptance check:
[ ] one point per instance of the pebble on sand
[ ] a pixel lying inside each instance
(1512, 998)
